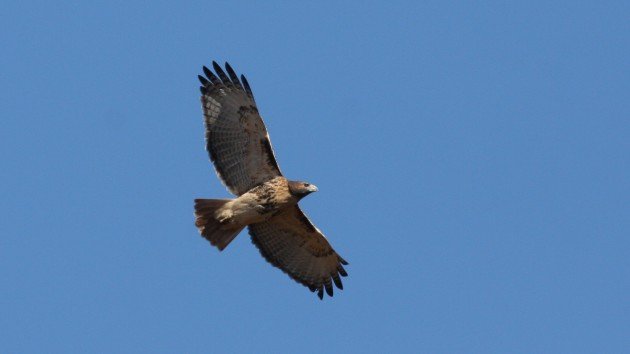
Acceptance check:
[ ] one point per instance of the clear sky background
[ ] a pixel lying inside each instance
(473, 162)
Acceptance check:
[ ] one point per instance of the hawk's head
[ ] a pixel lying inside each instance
(301, 189)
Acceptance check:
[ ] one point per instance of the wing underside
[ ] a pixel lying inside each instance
(293, 244)
(236, 136)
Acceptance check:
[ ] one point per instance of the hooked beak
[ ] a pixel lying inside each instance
(312, 188)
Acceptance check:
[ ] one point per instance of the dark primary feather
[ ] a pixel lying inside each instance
(233, 76)
(337, 281)
(203, 80)
(329, 288)
(204, 84)
(215, 80)
(247, 88)
(221, 73)
(342, 271)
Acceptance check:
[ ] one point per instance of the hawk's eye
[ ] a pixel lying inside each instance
(306, 184)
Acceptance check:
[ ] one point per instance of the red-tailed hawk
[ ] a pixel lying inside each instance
(266, 203)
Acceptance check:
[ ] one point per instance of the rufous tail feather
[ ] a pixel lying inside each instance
(209, 227)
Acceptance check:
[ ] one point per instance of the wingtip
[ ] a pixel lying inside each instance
(207, 71)
(329, 289)
(247, 87)
(320, 293)
(203, 80)
(338, 282)
(342, 270)
(233, 76)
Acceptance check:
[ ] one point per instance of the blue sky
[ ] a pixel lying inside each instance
(472, 160)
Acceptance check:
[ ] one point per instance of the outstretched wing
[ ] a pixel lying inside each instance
(236, 137)
(292, 243)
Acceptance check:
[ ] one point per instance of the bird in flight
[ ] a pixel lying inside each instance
(266, 202)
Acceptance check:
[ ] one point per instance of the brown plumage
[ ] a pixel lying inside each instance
(266, 203)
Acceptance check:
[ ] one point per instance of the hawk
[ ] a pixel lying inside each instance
(266, 202)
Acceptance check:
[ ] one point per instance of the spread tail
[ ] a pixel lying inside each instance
(209, 227)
